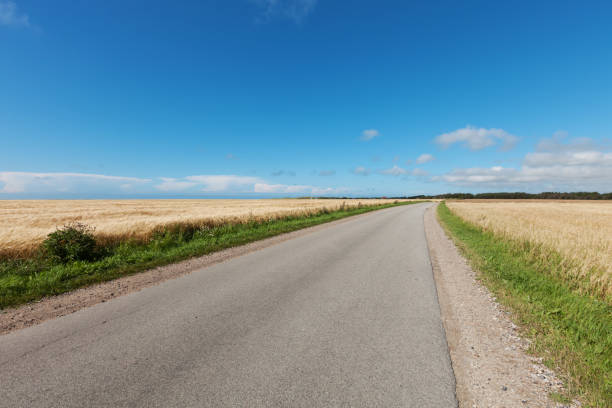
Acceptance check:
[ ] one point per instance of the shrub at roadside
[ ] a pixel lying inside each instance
(72, 242)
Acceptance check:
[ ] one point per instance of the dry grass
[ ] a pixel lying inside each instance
(580, 231)
(25, 223)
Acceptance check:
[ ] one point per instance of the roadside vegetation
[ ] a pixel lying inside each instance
(24, 224)
(73, 256)
(569, 327)
(580, 232)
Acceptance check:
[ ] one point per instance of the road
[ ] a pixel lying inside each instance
(345, 316)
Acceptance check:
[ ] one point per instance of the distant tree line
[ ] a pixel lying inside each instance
(549, 195)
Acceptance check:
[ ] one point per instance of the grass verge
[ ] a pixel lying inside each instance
(26, 280)
(571, 331)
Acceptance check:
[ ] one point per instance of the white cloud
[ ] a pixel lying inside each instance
(81, 183)
(222, 183)
(477, 138)
(25, 182)
(394, 171)
(578, 158)
(294, 189)
(554, 166)
(424, 158)
(369, 134)
(295, 10)
(280, 188)
(319, 191)
(10, 16)
(172, 184)
(419, 172)
(361, 171)
(494, 176)
(556, 143)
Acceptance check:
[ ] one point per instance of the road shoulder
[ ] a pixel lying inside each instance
(34, 313)
(492, 368)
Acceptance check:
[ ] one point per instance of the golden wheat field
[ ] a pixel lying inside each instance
(581, 231)
(25, 223)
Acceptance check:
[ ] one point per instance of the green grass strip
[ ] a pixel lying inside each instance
(27, 280)
(571, 331)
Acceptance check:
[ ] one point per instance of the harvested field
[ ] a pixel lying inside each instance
(25, 223)
(580, 231)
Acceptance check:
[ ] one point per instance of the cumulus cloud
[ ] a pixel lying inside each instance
(280, 188)
(494, 176)
(209, 183)
(577, 158)
(223, 183)
(294, 189)
(394, 171)
(557, 143)
(361, 171)
(172, 184)
(295, 10)
(575, 165)
(25, 182)
(369, 134)
(86, 184)
(419, 172)
(10, 15)
(243, 184)
(328, 190)
(424, 158)
(327, 173)
(478, 138)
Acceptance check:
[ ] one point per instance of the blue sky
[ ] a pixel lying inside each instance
(299, 97)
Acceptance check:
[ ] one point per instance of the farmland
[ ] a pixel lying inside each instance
(580, 231)
(548, 263)
(133, 236)
(25, 223)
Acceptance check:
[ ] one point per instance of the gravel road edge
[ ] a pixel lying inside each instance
(489, 358)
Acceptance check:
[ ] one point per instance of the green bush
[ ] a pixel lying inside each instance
(72, 242)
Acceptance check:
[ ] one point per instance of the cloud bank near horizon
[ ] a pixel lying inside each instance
(555, 164)
(20, 183)
(576, 165)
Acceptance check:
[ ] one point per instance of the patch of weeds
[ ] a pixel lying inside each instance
(560, 398)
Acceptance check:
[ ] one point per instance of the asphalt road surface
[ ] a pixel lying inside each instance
(345, 316)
